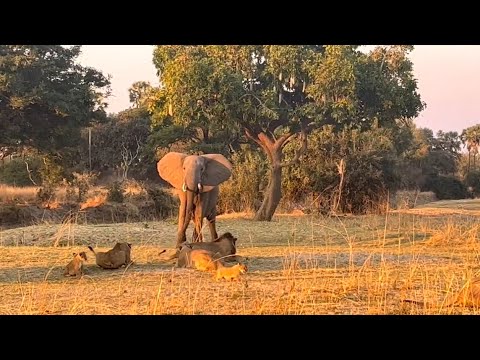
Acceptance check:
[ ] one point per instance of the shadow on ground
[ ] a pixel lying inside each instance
(55, 273)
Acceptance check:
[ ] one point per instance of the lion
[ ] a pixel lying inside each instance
(114, 258)
(468, 296)
(75, 266)
(199, 259)
(222, 247)
(230, 273)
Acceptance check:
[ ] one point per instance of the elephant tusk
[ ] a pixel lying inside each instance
(199, 187)
(184, 187)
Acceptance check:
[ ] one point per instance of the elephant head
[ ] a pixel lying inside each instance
(195, 173)
(198, 177)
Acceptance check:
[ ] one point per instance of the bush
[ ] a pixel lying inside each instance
(370, 160)
(15, 172)
(165, 204)
(446, 187)
(242, 192)
(115, 192)
(83, 182)
(472, 180)
(46, 193)
(50, 172)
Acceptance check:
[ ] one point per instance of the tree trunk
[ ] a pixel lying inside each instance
(273, 193)
(273, 148)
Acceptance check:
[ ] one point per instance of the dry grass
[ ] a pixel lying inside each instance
(28, 194)
(297, 265)
(17, 194)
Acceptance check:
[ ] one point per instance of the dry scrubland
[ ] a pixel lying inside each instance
(297, 265)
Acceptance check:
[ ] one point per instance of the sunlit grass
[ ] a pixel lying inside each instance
(297, 265)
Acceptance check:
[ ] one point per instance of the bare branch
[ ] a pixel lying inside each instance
(300, 151)
(128, 157)
(29, 173)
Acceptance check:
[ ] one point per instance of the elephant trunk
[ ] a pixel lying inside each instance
(193, 183)
(188, 209)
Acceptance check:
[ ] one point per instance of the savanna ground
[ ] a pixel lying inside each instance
(297, 265)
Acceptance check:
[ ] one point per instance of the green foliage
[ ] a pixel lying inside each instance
(46, 193)
(50, 172)
(472, 180)
(15, 172)
(115, 192)
(273, 92)
(120, 141)
(242, 192)
(164, 202)
(370, 171)
(46, 97)
(429, 156)
(446, 187)
(138, 92)
(83, 182)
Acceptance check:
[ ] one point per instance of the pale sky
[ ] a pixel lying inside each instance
(448, 79)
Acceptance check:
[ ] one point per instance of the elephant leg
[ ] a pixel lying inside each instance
(212, 227)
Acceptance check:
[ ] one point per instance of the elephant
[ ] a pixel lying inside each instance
(196, 179)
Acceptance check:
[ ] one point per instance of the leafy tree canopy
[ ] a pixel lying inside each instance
(46, 97)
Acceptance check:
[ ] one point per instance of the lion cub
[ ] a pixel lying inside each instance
(75, 267)
(230, 273)
(113, 258)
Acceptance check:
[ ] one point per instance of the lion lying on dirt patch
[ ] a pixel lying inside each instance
(222, 247)
(114, 258)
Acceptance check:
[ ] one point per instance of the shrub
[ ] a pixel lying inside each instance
(14, 172)
(446, 187)
(165, 204)
(242, 192)
(115, 192)
(472, 180)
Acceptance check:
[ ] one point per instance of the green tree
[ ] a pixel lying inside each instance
(120, 142)
(274, 93)
(470, 138)
(46, 97)
(138, 92)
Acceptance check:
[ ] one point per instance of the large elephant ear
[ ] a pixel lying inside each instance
(217, 170)
(170, 168)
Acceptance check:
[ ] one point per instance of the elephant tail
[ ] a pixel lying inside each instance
(91, 249)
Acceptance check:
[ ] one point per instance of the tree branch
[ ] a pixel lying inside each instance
(282, 140)
(300, 151)
(259, 142)
(29, 173)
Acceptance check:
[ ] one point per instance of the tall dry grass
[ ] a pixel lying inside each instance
(297, 265)
(28, 194)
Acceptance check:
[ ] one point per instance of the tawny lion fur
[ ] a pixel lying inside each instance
(222, 247)
(230, 273)
(468, 296)
(75, 266)
(114, 258)
(202, 260)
